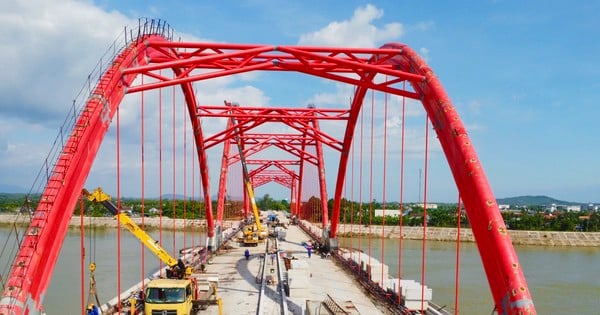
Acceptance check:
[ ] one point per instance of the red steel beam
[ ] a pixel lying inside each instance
(280, 168)
(34, 264)
(321, 177)
(251, 117)
(223, 179)
(357, 67)
(278, 143)
(279, 162)
(504, 274)
(235, 59)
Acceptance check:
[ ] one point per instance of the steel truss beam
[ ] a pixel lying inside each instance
(190, 62)
(297, 118)
(348, 65)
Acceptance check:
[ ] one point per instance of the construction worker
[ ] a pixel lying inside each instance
(92, 310)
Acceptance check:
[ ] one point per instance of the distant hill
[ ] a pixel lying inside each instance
(533, 201)
(12, 189)
(12, 196)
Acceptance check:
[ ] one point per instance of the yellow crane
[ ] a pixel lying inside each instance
(183, 292)
(177, 269)
(252, 233)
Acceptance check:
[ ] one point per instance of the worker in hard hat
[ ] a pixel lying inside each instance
(92, 310)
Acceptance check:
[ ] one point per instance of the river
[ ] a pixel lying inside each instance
(562, 280)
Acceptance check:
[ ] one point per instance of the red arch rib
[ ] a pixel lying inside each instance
(505, 277)
(34, 264)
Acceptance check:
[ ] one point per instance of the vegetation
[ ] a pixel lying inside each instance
(268, 203)
(533, 217)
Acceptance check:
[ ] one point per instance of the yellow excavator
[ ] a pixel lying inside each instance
(183, 292)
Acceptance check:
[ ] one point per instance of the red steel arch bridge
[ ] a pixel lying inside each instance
(295, 141)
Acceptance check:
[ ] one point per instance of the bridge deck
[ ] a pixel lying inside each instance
(239, 289)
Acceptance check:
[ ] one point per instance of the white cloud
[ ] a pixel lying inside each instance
(49, 47)
(424, 26)
(424, 53)
(359, 31)
(244, 95)
(48, 50)
(340, 97)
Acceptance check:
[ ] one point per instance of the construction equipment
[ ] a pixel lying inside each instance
(254, 232)
(183, 292)
(92, 293)
(177, 268)
(181, 296)
(250, 235)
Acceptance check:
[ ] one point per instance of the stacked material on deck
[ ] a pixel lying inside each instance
(314, 230)
(412, 293)
(373, 267)
(378, 271)
(281, 233)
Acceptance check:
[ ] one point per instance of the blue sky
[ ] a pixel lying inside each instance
(524, 75)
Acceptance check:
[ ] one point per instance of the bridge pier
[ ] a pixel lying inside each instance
(332, 244)
(329, 243)
(218, 238)
(213, 242)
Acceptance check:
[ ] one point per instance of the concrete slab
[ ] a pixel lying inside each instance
(239, 290)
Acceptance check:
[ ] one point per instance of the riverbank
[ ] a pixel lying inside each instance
(109, 222)
(539, 238)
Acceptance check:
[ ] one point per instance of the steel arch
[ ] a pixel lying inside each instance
(30, 275)
(34, 264)
(499, 258)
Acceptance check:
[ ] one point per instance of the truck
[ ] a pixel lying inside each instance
(182, 292)
(180, 296)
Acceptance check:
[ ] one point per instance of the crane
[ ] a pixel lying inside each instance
(177, 269)
(260, 230)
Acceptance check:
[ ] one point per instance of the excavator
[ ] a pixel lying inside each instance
(182, 292)
(252, 233)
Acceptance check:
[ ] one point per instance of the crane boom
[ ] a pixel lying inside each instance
(177, 267)
(247, 182)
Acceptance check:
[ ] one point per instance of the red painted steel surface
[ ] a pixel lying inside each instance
(223, 177)
(356, 66)
(500, 261)
(34, 264)
(321, 177)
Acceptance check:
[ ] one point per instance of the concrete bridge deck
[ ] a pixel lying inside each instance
(239, 289)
